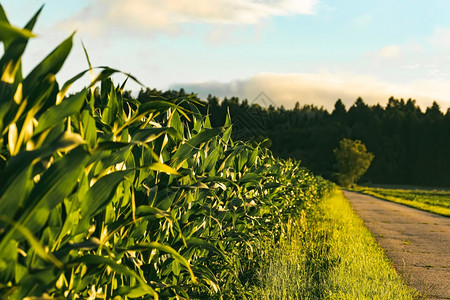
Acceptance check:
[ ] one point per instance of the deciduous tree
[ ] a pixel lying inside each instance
(353, 160)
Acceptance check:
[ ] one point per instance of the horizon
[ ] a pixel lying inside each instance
(310, 51)
(265, 101)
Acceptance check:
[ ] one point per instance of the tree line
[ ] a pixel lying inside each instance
(411, 146)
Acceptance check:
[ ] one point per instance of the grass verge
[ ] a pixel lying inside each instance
(437, 202)
(330, 254)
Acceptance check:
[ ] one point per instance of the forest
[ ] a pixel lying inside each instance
(411, 145)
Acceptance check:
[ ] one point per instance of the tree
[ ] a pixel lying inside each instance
(339, 109)
(353, 160)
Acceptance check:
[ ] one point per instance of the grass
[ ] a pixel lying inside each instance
(330, 254)
(434, 201)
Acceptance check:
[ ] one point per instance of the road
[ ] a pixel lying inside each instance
(417, 242)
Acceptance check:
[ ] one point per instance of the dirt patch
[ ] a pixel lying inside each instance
(417, 242)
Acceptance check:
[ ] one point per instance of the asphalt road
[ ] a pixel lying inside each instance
(417, 242)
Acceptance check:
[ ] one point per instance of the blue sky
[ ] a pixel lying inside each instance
(311, 51)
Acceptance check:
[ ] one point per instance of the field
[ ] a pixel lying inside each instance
(330, 254)
(103, 196)
(435, 201)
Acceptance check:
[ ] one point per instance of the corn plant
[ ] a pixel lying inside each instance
(103, 196)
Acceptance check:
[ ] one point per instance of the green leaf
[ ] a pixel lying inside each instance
(15, 49)
(165, 248)
(175, 122)
(57, 113)
(197, 185)
(228, 118)
(107, 72)
(145, 210)
(109, 113)
(50, 65)
(156, 106)
(250, 177)
(211, 159)
(89, 131)
(227, 133)
(34, 243)
(96, 260)
(87, 57)
(207, 122)
(109, 145)
(10, 63)
(198, 242)
(271, 185)
(55, 184)
(188, 148)
(101, 193)
(8, 260)
(15, 192)
(176, 268)
(252, 158)
(150, 134)
(160, 167)
(68, 84)
(3, 17)
(17, 164)
(9, 32)
(130, 291)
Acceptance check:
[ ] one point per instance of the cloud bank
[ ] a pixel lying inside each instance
(323, 89)
(168, 15)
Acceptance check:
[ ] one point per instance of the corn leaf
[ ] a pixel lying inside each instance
(189, 147)
(15, 49)
(165, 248)
(101, 193)
(24, 159)
(50, 65)
(55, 184)
(35, 244)
(55, 114)
(95, 260)
(9, 32)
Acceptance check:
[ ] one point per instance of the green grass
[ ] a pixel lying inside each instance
(330, 254)
(434, 201)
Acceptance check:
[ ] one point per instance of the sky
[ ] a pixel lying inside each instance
(310, 51)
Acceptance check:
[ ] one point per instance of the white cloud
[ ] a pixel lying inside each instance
(390, 51)
(232, 34)
(323, 89)
(168, 15)
(441, 38)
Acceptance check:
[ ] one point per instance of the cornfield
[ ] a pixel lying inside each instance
(103, 196)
